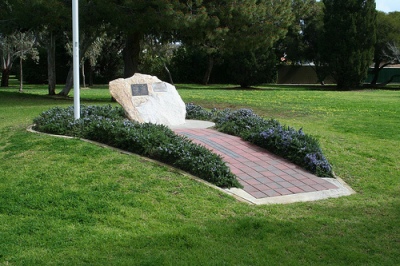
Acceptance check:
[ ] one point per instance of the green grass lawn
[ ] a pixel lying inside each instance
(68, 202)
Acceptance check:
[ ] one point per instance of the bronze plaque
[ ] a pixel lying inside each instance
(159, 87)
(139, 89)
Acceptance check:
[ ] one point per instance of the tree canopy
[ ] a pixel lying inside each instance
(335, 35)
(230, 28)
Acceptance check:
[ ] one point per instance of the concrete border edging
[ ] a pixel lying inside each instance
(239, 194)
(343, 190)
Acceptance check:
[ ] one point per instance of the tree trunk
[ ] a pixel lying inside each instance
(131, 54)
(169, 74)
(6, 69)
(21, 77)
(86, 42)
(69, 82)
(376, 72)
(5, 76)
(210, 66)
(51, 64)
(83, 74)
(91, 70)
(321, 72)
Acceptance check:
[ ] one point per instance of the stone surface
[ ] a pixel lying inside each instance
(146, 98)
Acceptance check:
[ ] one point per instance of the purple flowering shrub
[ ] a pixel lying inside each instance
(291, 144)
(241, 122)
(294, 145)
(108, 125)
(197, 112)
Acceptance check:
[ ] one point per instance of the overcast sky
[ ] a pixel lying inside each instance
(388, 5)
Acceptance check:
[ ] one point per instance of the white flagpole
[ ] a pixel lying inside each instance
(75, 40)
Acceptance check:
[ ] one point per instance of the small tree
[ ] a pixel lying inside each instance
(86, 41)
(349, 39)
(393, 53)
(24, 45)
(388, 32)
(7, 59)
(251, 67)
(45, 17)
(92, 54)
(157, 55)
(17, 45)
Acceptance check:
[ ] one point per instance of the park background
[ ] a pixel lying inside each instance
(65, 201)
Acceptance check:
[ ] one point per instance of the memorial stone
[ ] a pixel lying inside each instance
(146, 98)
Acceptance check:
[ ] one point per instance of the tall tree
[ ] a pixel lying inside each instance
(208, 30)
(349, 39)
(312, 37)
(135, 19)
(53, 21)
(302, 43)
(92, 24)
(255, 27)
(230, 27)
(295, 45)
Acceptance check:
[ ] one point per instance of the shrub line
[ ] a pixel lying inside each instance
(108, 125)
(293, 145)
(185, 173)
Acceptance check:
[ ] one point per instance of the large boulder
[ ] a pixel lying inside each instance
(146, 98)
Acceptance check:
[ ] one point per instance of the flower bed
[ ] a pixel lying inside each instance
(107, 125)
(294, 145)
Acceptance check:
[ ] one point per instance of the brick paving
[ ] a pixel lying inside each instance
(261, 173)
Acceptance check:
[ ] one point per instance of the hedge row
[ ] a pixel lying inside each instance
(107, 125)
(294, 145)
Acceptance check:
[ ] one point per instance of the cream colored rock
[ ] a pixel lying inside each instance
(146, 98)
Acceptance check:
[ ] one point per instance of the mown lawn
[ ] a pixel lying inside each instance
(68, 202)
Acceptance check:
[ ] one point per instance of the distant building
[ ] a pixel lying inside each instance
(385, 74)
(296, 74)
(291, 74)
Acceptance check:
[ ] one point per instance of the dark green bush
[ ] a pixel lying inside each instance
(242, 122)
(294, 145)
(197, 112)
(107, 125)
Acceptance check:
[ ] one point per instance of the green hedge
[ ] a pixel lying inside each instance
(107, 125)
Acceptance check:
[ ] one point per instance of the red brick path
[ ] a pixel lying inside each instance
(261, 173)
